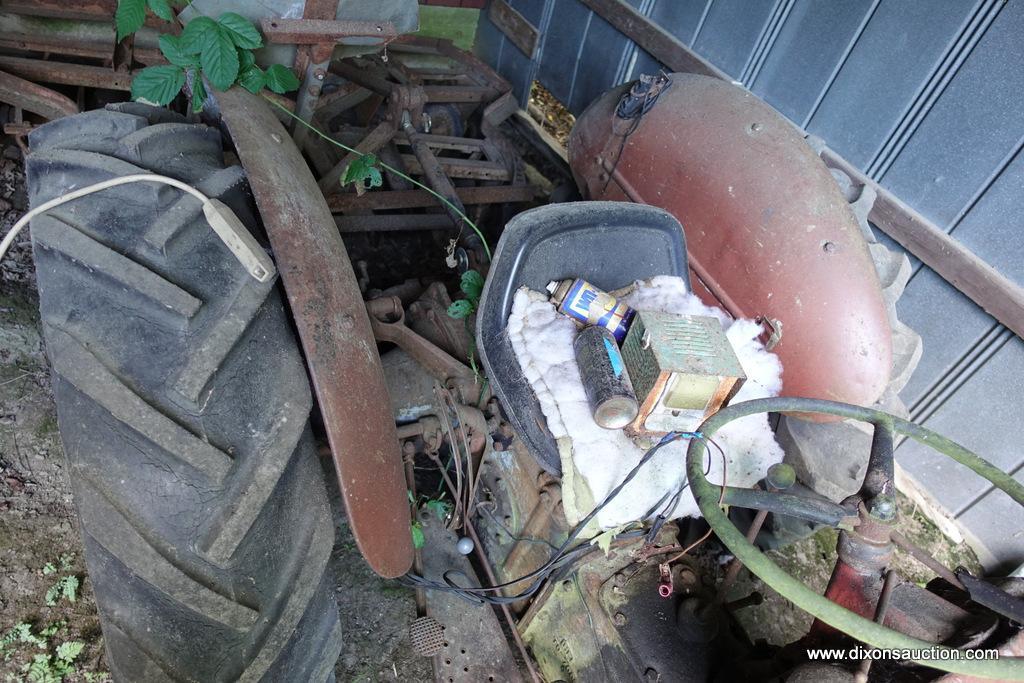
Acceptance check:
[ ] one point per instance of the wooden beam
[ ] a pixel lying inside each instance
(413, 199)
(984, 285)
(665, 47)
(1001, 298)
(514, 25)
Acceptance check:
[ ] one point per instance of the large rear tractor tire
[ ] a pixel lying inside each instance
(183, 407)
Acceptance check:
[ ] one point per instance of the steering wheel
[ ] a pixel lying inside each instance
(878, 508)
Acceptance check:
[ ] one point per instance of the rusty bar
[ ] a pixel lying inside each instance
(314, 31)
(334, 329)
(393, 222)
(35, 98)
(413, 199)
(361, 77)
(461, 168)
(378, 137)
(66, 74)
(74, 10)
(434, 173)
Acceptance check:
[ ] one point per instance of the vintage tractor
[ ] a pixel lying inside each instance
(190, 428)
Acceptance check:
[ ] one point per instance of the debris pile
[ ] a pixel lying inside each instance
(595, 459)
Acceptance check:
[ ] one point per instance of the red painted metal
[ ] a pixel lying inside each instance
(767, 230)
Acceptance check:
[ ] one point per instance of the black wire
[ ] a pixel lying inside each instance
(563, 557)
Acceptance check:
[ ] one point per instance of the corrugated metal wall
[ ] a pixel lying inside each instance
(928, 99)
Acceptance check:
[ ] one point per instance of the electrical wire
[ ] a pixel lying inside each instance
(560, 561)
(226, 226)
(90, 189)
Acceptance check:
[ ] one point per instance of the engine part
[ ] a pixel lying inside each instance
(588, 305)
(769, 232)
(610, 244)
(683, 368)
(605, 378)
(864, 542)
(184, 414)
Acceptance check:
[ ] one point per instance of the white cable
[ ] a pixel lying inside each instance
(223, 221)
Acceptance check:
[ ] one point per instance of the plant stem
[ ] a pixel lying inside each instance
(345, 147)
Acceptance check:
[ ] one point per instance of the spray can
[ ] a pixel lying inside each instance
(588, 305)
(609, 391)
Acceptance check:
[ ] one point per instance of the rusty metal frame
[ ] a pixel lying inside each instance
(334, 329)
(35, 98)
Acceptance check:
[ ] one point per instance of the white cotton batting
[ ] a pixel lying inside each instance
(595, 460)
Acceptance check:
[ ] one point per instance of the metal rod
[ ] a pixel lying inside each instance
(903, 543)
(880, 609)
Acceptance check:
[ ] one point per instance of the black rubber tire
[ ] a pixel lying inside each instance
(183, 407)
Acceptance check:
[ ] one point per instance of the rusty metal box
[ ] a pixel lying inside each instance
(683, 369)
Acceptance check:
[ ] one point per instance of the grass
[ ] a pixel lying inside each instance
(457, 24)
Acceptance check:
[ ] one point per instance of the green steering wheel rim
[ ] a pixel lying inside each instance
(707, 496)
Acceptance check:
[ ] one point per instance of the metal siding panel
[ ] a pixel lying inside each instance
(992, 429)
(488, 41)
(949, 324)
(603, 50)
(806, 53)
(891, 60)
(562, 47)
(992, 228)
(970, 129)
(997, 521)
(680, 17)
(731, 31)
(532, 10)
(517, 70)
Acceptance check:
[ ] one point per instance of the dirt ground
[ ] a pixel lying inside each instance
(39, 527)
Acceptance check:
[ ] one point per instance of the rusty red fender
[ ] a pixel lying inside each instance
(768, 231)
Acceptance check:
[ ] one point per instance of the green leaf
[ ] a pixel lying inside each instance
(198, 94)
(245, 59)
(161, 9)
(219, 60)
(197, 34)
(418, 539)
(158, 84)
(48, 569)
(440, 508)
(52, 593)
(240, 30)
(69, 587)
(252, 79)
(70, 650)
(281, 79)
(461, 309)
(472, 284)
(363, 170)
(171, 48)
(129, 17)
